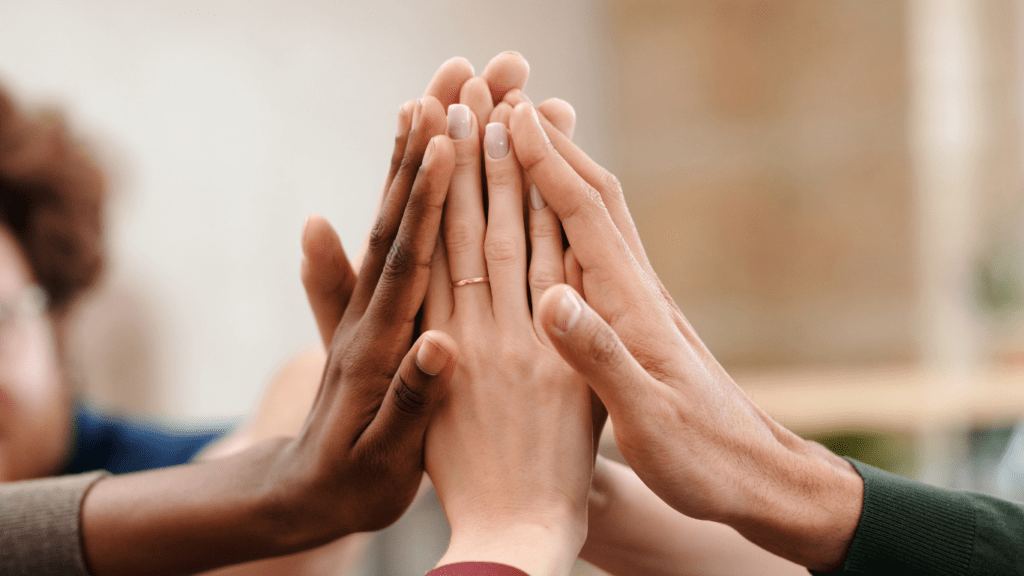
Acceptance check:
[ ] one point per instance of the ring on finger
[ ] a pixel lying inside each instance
(468, 281)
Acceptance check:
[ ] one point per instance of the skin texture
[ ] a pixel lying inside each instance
(686, 428)
(329, 279)
(510, 493)
(633, 532)
(357, 462)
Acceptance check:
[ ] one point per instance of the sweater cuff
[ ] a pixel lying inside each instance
(476, 569)
(40, 528)
(907, 527)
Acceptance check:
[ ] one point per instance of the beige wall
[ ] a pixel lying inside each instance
(230, 121)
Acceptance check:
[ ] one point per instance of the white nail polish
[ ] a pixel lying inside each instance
(459, 123)
(496, 140)
(536, 200)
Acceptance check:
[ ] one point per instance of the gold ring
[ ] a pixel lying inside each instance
(471, 281)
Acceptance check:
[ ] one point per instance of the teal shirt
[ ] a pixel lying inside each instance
(909, 528)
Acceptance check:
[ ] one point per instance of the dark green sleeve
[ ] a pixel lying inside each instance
(911, 528)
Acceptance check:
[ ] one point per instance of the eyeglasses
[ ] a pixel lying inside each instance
(28, 304)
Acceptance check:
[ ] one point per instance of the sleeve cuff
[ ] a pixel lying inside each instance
(476, 569)
(907, 527)
(40, 528)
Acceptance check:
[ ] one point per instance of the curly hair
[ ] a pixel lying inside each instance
(51, 197)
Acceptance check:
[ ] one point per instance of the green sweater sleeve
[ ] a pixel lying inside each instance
(911, 528)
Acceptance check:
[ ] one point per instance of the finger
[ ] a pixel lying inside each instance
(588, 344)
(477, 96)
(573, 272)
(606, 184)
(398, 429)
(428, 121)
(464, 226)
(506, 71)
(440, 302)
(560, 114)
(516, 97)
(546, 261)
(609, 270)
(501, 113)
(403, 283)
(448, 80)
(505, 243)
(405, 114)
(326, 275)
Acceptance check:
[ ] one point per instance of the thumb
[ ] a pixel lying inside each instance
(326, 274)
(415, 393)
(594, 350)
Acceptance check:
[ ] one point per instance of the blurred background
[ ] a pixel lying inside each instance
(833, 192)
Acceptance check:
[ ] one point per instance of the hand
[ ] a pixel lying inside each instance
(686, 428)
(358, 460)
(510, 450)
(326, 273)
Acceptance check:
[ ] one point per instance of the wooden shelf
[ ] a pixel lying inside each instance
(895, 399)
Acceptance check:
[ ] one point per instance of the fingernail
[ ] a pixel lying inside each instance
(536, 119)
(431, 358)
(403, 119)
(416, 114)
(428, 152)
(536, 200)
(496, 140)
(569, 311)
(458, 121)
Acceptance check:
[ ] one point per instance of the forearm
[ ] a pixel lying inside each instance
(189, 518)
(632, 531)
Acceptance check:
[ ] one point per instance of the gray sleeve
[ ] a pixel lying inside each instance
(40, 532)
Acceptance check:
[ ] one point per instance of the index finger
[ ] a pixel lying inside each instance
(596, 241)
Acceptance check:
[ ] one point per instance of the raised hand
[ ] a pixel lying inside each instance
(510, 451)
(687, 429)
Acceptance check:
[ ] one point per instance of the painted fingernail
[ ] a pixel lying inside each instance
(431, 358)
(569, 311)
(536, 200)
(459, 123)
(428, 152)
(496, 140)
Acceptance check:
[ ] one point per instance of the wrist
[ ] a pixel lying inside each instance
(804, 506)
(540, 546)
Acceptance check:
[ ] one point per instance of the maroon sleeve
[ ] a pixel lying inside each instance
(476, 569)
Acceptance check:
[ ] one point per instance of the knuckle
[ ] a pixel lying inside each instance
(543, 228)
(398, 259)
(502, 176)
(462, 236)
(604, 348)
(610, 185)
(541, 280)
(501, 250)
(379, 239)
(407, 399)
